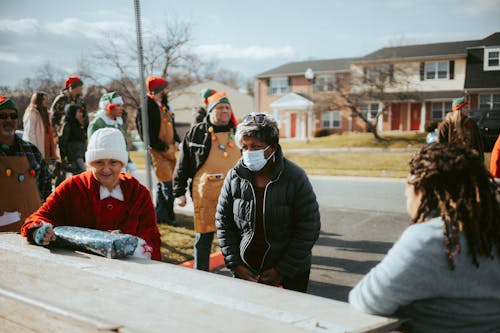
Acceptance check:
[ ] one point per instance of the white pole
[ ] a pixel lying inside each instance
(144, 110)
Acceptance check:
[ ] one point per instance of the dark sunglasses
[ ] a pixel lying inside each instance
(259, 118)
(12, 116)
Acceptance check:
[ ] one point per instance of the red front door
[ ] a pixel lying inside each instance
(415, 116)
(293, 125)
(395, 117)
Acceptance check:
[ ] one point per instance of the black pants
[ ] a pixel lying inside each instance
(165, 203)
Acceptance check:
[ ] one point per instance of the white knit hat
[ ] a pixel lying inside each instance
(107, 143)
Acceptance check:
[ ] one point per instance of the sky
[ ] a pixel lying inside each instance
(249, 37)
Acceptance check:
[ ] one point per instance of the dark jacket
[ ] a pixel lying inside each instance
(291, 218)
(196, 146)
(58, 108)
(73, 141)
(154, 116)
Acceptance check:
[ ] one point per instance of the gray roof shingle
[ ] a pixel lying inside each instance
(419, 51)
(299, 67)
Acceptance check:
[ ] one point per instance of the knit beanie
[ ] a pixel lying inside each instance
(107, 143)
(6, 103)
(218, 98)
(206, 93)
(459, 103)
(110, 98)
(73, 82)
(156, 84)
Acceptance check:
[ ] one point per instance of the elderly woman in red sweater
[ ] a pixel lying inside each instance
(102, 198)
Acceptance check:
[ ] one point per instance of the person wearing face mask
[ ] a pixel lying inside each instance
(24, 179)
(267, 215)
(208, 153)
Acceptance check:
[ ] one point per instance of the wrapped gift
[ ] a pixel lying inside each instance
(104, 243)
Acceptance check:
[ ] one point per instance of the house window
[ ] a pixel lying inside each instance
(332, 119)
(278, 85)
(437, 70)
(492, 59)
(489, 101)
(370, 110)
(439, 110)
(324, 83)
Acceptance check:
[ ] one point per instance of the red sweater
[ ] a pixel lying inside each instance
(76, 202)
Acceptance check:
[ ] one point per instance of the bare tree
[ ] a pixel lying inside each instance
(383, 82)
(166, 54)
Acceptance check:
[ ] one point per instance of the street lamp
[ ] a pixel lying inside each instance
(309, 75)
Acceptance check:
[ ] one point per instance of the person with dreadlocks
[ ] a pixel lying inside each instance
(443, 274)
(457, 128)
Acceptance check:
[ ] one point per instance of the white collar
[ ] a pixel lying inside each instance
(111, 122)
(116, 193)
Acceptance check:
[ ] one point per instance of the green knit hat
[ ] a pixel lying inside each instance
(110, 98)
(217, 98)
(459, 103)
(206, 93)
(6, 103)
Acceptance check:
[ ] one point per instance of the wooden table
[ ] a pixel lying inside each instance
(55, 290)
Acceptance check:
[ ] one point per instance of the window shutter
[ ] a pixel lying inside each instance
(422, 71)
(268, 83)
(365, 74)
(452, 69)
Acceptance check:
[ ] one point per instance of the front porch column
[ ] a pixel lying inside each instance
(423, 112)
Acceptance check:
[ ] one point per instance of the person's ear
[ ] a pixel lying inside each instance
(111, 106)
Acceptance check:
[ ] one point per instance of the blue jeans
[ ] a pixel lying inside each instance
(202, 249)
(165, 203)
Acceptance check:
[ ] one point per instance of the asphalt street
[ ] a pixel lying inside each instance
(360, 220)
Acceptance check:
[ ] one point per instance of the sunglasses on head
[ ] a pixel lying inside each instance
(259, 118)
(12, 116)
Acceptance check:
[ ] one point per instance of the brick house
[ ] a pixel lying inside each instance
(422, 80)
(289, 94)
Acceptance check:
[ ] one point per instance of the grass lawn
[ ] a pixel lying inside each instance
(358, 140)
(353, 164)
(177, 242)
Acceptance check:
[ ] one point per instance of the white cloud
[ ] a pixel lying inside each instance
(477, 8)
(21, 26)
(226, 51)
(10, 57)
(93, 30)
(430, 37)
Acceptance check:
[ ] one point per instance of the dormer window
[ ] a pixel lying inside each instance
(492, 59)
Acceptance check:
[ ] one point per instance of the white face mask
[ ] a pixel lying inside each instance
(255, 160)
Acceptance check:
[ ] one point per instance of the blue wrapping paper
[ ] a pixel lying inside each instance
(95, 241)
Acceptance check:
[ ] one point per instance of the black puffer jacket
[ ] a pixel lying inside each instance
(291, 217)
(196, 146)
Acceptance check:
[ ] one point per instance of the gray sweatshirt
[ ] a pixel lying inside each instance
(414, 281)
